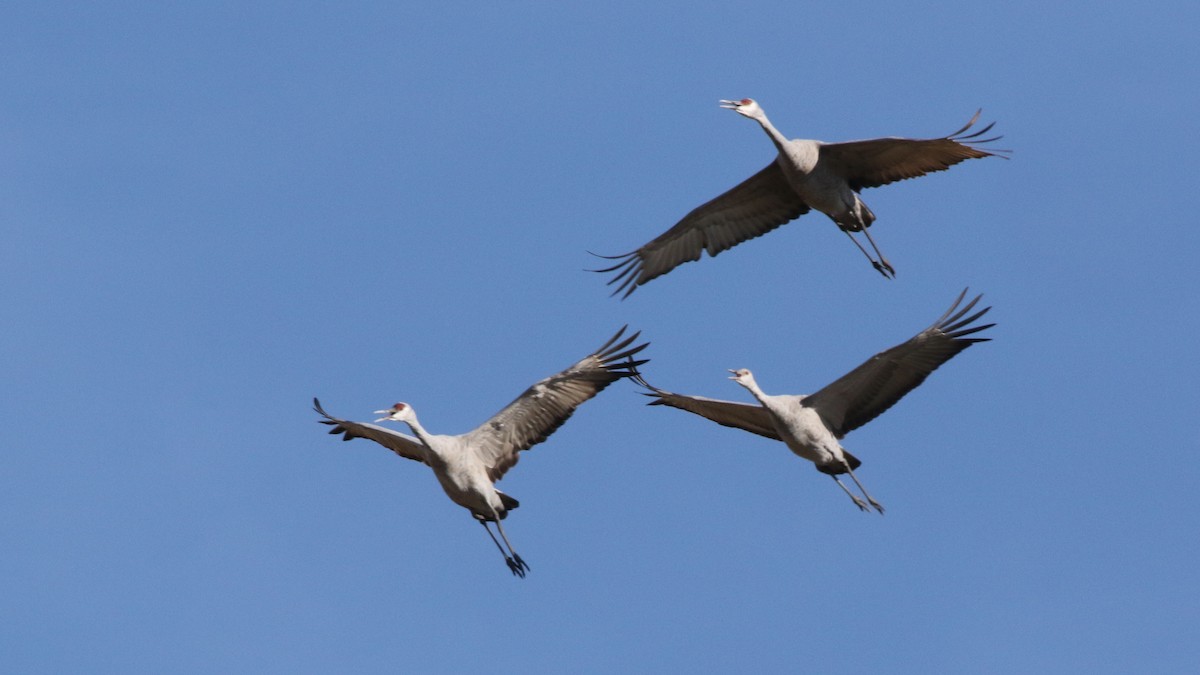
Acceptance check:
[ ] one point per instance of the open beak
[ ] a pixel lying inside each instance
(383, 412)
(734, 376)
(730, 105)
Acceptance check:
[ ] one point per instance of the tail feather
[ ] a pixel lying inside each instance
(868, 216)
(837, 469)
(853, 461)
(849, 223)
(509, 502)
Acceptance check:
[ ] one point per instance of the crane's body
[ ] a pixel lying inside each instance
(801, 429)
(461, 474)
(816, 183)
(819, 186)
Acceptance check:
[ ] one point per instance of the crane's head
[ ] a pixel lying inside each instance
(401, 412)
(747, 106)
(743, 377)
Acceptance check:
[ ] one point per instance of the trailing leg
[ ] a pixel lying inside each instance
(882, 260)
(518, 566)
(514, 561)
(881, 265)
(857, 502)
(877, 505)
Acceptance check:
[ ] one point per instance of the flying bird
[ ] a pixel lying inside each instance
(468, 465)
(812, 425)
(805, 175)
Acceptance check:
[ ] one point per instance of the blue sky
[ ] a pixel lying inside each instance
(213, 213)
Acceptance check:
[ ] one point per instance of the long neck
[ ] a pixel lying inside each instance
(441, 448)
(756, 391)
(419, 430)
(777, 138)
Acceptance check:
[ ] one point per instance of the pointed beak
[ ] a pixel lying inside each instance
(388, 414)
(734, 376)
(729, 105)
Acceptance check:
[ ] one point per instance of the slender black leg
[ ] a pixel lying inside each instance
(877, 505)
(857, 502)
(514, 562)
(882, 260)
(883, 268)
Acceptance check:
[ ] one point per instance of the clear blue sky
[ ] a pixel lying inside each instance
(213, 213)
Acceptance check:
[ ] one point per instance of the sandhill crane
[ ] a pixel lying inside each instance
(812, 425)
(805, 175)
(468, 465)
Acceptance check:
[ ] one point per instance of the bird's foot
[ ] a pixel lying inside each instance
(877, 505)
(862, 506)
(518, 566)
(885, 268)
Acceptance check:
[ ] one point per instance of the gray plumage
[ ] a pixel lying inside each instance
(468, 465)
(812, 425)
(805, 175)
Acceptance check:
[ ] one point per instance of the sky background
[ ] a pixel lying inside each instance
(212, 213)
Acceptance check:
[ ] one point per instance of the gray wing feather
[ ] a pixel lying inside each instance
(402, 444)
(880, 161)
(746, 416)
(867, 391)
(544, 407)
(753, 208)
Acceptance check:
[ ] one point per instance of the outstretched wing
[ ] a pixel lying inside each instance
(880, 161)
(865, 392)
(758, 205)
(537, 413)
(401, 444)
(746, 416)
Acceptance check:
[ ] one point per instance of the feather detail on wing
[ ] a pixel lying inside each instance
(402, 444)
(543, 408)
(750, 417)
(758, 205)
(867, 391)
(879, 161)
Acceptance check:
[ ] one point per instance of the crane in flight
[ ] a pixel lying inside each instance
(812, 425)
(806, 175)
(468, 465)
